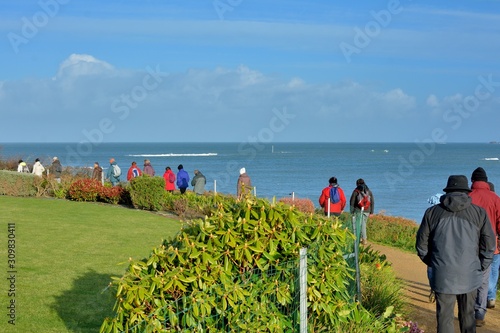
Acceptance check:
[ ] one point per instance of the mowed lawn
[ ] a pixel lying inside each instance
(66, 253)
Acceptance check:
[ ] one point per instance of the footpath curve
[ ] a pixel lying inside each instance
(413, 272)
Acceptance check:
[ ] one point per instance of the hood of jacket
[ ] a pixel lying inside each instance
(455, 201)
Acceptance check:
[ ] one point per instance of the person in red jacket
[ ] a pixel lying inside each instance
(336, 208)
(482, 196)
(169, 177)
(133, 171)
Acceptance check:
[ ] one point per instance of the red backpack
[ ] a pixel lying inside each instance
(363, 199)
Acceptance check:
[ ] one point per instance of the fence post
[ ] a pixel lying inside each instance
(356, 252)
(215, 186)
(303, 289)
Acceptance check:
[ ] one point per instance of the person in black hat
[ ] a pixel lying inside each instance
(456, 240)
(483, 196)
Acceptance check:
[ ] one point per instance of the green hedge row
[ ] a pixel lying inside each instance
(17, 184)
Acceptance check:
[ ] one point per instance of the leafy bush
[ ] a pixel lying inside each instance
(200, 274)
(17, 184)
(147, 192)
(85, 190)
(112, 194)
(303, 205)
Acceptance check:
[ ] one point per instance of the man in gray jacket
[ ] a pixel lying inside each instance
(456, 240)
(198, 182)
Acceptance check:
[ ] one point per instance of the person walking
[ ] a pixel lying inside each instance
(483, 196)
(362, 203)
(148, 168)
(182, 179)
(55, 169)
(332, 198)
(22, 167)
(456, 240)
(114, 172)
(38, 168)
(198, 182)
(133, 171)
(169, 177)
(97, 172)
(244, 184)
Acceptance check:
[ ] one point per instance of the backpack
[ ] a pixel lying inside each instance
(117, 172)
(135, 172)
(334, 194)
(363, 199)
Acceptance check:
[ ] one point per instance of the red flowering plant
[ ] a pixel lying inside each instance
(111, 194)
(85, 190)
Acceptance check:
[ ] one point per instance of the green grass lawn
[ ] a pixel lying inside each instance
(66, 253)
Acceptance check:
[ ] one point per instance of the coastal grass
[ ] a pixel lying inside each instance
(66, 253)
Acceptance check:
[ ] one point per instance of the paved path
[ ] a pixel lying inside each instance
(410, 269)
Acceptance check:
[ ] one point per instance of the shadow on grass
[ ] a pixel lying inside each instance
(84, 307)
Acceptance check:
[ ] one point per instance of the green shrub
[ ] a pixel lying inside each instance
(380, 289)
(394, 231)
(202, 273)
(147, 192)
(17, 184)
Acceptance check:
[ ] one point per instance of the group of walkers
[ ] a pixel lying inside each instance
(458, 240)
(181, 179)
(362, 203)
(38, 169)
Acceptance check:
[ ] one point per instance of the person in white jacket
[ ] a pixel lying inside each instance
(38, 168)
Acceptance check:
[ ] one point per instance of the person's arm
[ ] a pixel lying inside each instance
(343, 200)
(487, 243)
(422, 242)
(372, 203)
(352, 202)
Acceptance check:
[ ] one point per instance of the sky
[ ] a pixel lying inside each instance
(249, 70)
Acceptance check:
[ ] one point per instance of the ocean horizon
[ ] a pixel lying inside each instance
(402, 176)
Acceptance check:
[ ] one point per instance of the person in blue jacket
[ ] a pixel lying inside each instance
(113, 173)
(182, 179)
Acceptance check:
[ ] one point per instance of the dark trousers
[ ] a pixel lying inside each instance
(445, 304)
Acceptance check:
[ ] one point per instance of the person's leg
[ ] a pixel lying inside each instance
(364, 219)
(466, 316)
(482, 295)
(445, 304)
(492, 286)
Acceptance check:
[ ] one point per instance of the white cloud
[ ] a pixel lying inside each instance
(221, 104)
(82, 64)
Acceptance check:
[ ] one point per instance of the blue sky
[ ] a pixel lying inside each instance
(249, 70)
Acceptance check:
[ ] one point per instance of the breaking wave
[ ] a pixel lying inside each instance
(172, 155)
(490, 158)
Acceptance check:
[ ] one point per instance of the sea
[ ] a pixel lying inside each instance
(402, 176)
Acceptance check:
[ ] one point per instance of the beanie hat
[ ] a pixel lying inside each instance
(479, 175)
(242, 171)
(333, 180)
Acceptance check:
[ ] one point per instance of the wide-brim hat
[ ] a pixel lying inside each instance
(457, 183)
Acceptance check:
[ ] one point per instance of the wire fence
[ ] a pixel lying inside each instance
(286, 306)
